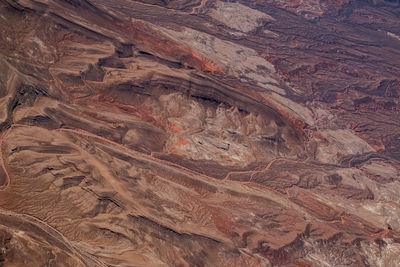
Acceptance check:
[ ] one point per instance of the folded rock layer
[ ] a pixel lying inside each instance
(199, 133)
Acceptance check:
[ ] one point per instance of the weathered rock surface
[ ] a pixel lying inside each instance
(199, 133)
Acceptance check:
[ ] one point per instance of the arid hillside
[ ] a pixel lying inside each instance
(199, 133)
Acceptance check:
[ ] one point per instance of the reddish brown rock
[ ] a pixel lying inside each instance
(199, 133)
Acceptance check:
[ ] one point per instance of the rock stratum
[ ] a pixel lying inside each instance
(199, 133)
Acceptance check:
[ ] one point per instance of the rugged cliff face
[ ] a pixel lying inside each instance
(199, 133)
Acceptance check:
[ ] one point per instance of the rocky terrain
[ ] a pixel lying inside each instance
(199, 133)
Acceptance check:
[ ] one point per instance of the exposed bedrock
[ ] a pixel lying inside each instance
(199, 133)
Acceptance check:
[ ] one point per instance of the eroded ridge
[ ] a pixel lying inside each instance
(199, 133)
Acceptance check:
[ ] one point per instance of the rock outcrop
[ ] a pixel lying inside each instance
(199, 133)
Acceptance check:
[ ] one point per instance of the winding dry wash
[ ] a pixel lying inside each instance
(199, 133)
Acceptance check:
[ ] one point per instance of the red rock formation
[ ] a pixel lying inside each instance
(199, 133)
